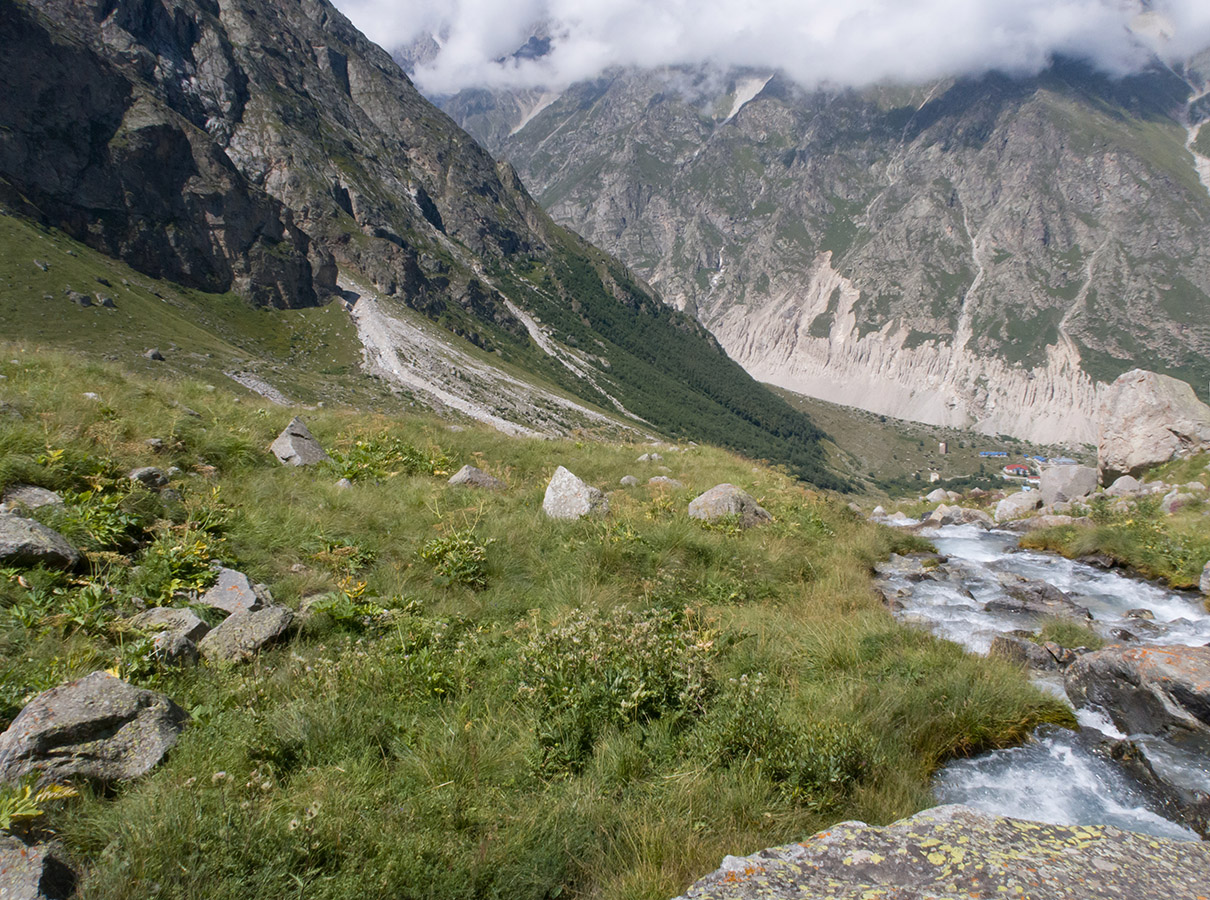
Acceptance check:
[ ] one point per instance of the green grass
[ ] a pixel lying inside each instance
(599, 709)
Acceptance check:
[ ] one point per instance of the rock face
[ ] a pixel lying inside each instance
(99, 728)
(1144, 419)
(24, 542)
(955, 853)
(296, 446)
(472, 477)
(567, 497)
(233, 592)
(1146, 690)
(1018, 505)
(244, 634)
(1062, 484)
(728, 500)
(33, 872)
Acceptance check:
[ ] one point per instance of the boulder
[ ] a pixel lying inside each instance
(183, 622)
(296, 446)
(23, 498)
(98, 727)
(154, 353)
(33, 872)
(1145, 419)
(727, 500)
(1062, 484)
(233, 592)
(940, 495)
(149, 477)
(1173, 771)
(663, 481)
(472, 477)
(244, 634)
(955, 853)
(1035, 598)
(173, 650)
(1023, 652)
(958, 515)
(567, 497)
(1037, 523)
(628, 481)
(24, 542)
(1174, 500)
(1203, 583)
(1146, 690)
(1018, 505)
(1126, 486)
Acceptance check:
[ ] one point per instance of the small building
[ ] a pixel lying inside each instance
(1016, 470)
(993, 453)
(944, 448)
(934, 477)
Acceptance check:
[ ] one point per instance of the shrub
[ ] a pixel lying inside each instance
(177, 561)
(458, 558)
(384, 456)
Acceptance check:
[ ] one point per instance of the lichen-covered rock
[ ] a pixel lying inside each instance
(296, 446)
(473, 477)
(567, 497)
(1017, 505)
(727, 500)
(33, 872)
(1146, 690)
(244, 634)
(98, 727)
(234, 592)
(955, 853)
(1145, 419)
(24, 542)
(1062, 484)
(184, 622)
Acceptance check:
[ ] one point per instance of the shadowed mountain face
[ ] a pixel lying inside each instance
(265, 147)
(975, 252)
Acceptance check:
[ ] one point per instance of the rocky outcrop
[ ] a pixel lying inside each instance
(99, 728)
(1146, 690)
(1144, 419)
(24, 542)
(954, 853)
(725, 500)
(244, 634)
(477, 478)
(1062, 484)
(296, 446)
(567, 497)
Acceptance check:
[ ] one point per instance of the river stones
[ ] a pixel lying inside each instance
(953, 852)
(958, 515)
(1027, 597)
(1147, 690)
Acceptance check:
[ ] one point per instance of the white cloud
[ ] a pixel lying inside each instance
(841, 42)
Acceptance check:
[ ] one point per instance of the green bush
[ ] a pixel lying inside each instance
(458, 558)
(176, 562)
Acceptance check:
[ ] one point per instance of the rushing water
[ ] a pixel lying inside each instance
(1058, 777)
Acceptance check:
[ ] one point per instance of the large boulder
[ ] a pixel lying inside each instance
(1026, 597)
(24, 542)
(1126, 486)
(234, 592)
(1146, 690)
(28, 497)
(296, 446)
(33, 872)
(567, 497)
(1062, 484)
(244, 634)
(1145, 419)
(1017, 506)
(955, 853)
(98, 727)
(724, 500)
(472, 477)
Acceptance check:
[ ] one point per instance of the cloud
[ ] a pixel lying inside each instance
(850, 43)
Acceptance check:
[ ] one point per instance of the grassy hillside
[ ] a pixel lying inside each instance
(484, 703)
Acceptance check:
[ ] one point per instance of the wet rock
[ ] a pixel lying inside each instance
(477, 478)
(24, 542)
(628, 481)
(234, 592)
(1062, 484)
(663, 481)
(1174, 770)
(1035, 598)
(953, 852)
(1146, 690)
(244, 634)
(1145, 419)
(727, 500)
(296, 446)
(149, 476)
(1140, 613)
(98, 727)
(33, 871)
(1099, 561)
(27, 497)
(1122, 635)
(567, 497)
(1023, 652)
(1017, 505)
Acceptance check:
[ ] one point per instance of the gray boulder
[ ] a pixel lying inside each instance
(472, 477)
(1175, 499)
(174, 650)
(1018, 505)
(27, 497)
(628, 481)
(1146, 690)
(958, 515)
(296, 446)
(727, 500)
(1027, 597)
(183, 622)
(150, 477)
(1144, 419)
(1037, 523)
(1062, 484)
(1203, 583)
(955, 853)
(663, 481)
(940, 495)
(24, 542)
(155, 354)
(98, 727)
(244, 634)
(1023, 652)
(567, 497)
(233, 592)
(33, 872)
(1126, 486)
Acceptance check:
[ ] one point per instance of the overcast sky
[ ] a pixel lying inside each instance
(838, 42)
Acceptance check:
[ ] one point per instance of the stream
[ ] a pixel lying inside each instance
(1060, 777)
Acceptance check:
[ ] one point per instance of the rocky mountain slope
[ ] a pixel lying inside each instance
(268, 148)
(974, 252)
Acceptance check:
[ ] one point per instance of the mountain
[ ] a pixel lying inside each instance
(271, 151)
(974, 252)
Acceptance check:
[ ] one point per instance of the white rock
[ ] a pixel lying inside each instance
(1145, 419)
(567, 497)
(1018, 505)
